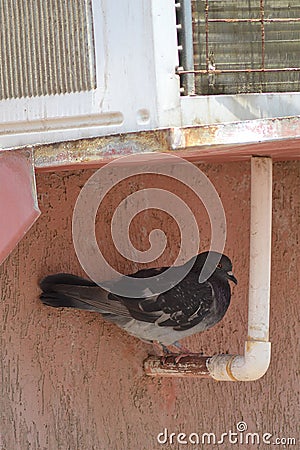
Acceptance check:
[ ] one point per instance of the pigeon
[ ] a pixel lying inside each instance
(187, 308)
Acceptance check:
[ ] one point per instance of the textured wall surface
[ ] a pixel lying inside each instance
(70, 381)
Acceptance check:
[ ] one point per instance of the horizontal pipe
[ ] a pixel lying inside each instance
(248, 367)
(232, 20)
(219, 71)
(192, 365)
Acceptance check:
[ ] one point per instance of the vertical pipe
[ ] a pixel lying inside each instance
(260, 248)
(255, 362)
(262, 27)
(206, 35)
(188, 49)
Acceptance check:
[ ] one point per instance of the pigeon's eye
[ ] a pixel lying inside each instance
(219, 266)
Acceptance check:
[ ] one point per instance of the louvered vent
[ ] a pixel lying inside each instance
(241, 46)
(46, 47)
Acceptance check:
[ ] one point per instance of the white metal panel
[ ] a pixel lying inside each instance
(210, 109)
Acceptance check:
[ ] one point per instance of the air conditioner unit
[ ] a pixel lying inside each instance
(86, 68)
(83, 68)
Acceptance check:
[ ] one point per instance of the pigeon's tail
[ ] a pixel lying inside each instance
(64, 290)
(70, 291)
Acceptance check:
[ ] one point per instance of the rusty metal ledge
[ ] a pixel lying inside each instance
(278, 138)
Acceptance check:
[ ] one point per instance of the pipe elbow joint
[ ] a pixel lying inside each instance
(250, 367)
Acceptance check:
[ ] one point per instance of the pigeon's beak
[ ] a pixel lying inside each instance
(231, 277)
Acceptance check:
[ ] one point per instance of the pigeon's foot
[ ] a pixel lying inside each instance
(180, 347)
(184, 355)
(171, 349)
(176, 350)
(161, 349)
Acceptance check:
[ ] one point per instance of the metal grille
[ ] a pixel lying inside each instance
(239, 46)
(46, 47)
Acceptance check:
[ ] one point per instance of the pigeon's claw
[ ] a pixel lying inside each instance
(175, 351)
(184, 355)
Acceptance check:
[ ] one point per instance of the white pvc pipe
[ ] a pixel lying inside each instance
(254, 364)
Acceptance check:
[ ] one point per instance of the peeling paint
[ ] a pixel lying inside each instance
(278, 138)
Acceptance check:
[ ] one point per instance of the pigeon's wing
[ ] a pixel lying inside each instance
(149, 273)
(66, 290)
(186, 304)
(144, 288)
(146, 307)
(182, 307)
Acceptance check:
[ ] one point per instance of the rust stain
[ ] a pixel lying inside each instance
(278, 138)
(229, 371)
(231, 20)
(188, 366)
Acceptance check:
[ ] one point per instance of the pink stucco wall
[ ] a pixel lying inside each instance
(72, 381)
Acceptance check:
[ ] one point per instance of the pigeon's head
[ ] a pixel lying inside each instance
(224, 269)
(216, 264)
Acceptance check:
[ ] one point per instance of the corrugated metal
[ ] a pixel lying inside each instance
(247, 46)
(46, 47)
